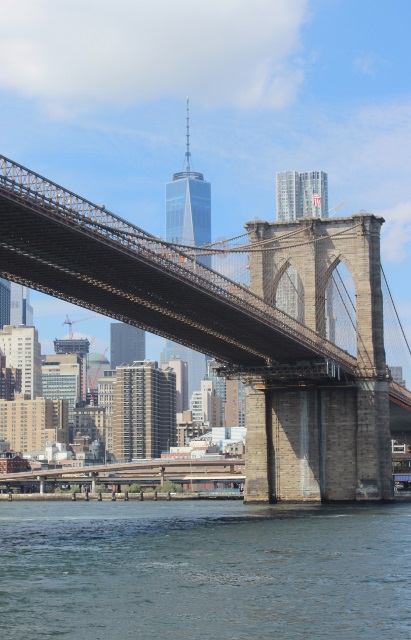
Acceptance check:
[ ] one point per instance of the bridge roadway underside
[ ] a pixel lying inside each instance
(400, 417)
(84, 267)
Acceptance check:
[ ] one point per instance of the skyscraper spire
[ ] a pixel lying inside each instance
(187, 172)
(188, 222)
(188, 154)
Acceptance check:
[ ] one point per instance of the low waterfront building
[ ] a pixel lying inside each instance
(11, 462)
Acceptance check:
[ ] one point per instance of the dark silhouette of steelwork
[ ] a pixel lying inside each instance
(56, 242)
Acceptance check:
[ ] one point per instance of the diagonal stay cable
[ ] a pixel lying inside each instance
(395, 310)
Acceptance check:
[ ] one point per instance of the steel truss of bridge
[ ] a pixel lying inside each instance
(56, 242)
(65, 246)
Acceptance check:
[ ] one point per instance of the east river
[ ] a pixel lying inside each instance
(204, 569)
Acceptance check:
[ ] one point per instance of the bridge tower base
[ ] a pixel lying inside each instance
(318, 443)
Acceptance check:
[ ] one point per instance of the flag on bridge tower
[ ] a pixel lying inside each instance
(316, 200)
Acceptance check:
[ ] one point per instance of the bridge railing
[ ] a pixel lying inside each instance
(18, 182)
(35, 189)
(400, 393)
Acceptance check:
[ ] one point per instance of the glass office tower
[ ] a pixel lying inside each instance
(188, 222)
(188, 209)
(21, 312)
(4, 302)
(127, 344)
(188, 204)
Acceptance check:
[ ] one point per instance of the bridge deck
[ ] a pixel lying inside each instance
(58, 243)
(51, 247)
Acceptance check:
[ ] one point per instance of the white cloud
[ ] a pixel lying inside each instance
(365, 152)
(397, 232)
(367, 64)
(73, 54)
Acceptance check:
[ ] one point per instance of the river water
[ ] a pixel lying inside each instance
(204, 569)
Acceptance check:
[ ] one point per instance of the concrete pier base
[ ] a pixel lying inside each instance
(319, 444)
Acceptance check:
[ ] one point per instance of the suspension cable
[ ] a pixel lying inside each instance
(395, 310)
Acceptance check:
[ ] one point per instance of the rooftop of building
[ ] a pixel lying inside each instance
(99, 358)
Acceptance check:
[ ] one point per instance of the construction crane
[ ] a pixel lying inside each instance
(92, 381)
(334, 210)
(71, 322)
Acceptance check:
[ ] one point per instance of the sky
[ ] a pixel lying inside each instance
(93, 96)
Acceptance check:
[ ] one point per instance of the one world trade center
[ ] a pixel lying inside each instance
(188, 222)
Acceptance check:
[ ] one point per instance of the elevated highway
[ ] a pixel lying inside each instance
(147, 471)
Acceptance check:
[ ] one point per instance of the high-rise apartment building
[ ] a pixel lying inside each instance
(206, 405)
(105, 393)
(79, 347)
(397, 375)
(29, 424)
(10, 380)
(188, 222)
(21, 312)
(234, 410)
(127, 344)
(301, 195)
(61, 375)
(21, 347)
(180, 368)
(4, 302)
(144, 411)
(298, 195)
(90, 422)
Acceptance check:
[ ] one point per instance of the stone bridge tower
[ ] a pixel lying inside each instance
(328, 440)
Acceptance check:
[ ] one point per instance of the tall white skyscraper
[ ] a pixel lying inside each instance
(301, 195)
(21, 312)
(21, 347)
(206, 406)
(180, 368)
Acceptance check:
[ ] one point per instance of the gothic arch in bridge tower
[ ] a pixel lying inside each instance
(337, 297)
(308, 439)
(287, 290)
(313, 247)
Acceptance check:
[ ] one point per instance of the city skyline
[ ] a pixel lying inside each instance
(299, 95)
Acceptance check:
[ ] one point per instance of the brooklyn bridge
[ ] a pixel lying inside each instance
(319, 415)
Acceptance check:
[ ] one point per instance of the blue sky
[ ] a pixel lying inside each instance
(93, 97)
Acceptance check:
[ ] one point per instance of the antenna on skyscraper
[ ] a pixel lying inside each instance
(188, 154)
